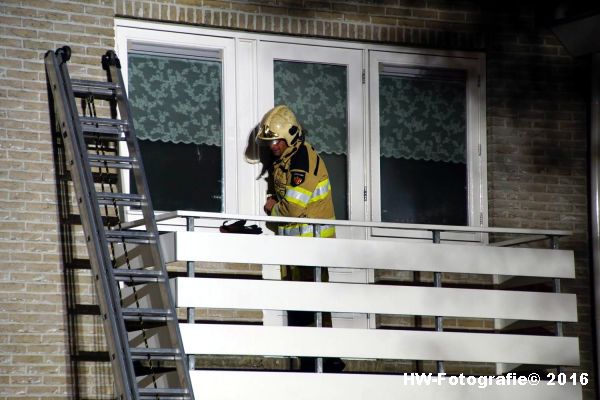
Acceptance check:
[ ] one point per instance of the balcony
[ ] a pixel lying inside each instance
(441, 318)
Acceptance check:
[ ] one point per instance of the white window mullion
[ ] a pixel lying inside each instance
(375, 179)
(230, 139)
(248, 167)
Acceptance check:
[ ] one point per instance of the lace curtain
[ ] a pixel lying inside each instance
(317, 93)
(176, 100)
(419, 119)
(422, 119)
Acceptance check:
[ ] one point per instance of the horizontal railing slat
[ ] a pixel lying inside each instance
(251, 385)
(348, 253)
(378, 344)
(376, 299)
(201, 218)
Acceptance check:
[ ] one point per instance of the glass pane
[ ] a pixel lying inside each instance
(423, 169)
(176, 106)
(317, 93)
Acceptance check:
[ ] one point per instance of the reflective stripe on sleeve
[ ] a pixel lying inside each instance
(297, 195)
(321, 191)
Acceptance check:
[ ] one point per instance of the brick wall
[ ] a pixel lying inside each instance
(536, 116)
(34, 344)
(536, 99)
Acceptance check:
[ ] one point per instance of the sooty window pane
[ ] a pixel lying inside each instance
(183, 176)
(423, 192)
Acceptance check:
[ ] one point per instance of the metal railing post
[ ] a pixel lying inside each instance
(557, 289)
(319, 314)
(437, 282)
(418, 320)
(191, 273)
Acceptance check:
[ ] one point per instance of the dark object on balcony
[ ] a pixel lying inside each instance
(240, 227)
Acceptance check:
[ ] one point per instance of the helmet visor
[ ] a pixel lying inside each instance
(267, 133)
(266, 136)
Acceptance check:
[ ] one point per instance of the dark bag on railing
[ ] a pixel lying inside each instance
(240, 227)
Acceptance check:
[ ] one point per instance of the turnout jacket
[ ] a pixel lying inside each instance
(302, 190)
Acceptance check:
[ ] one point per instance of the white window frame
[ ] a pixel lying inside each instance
(475, 144)
(190, 43)
(242, 107)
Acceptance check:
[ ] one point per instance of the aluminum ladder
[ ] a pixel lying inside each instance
(137, 307)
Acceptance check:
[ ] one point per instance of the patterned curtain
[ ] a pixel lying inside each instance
(317, 93)
(422, 119)
(176, 100)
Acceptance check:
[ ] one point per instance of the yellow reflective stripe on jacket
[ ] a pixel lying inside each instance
(297, 195)
(306, 230)
(301, 197)
(326, 231)
(296, 230)
(321, 191)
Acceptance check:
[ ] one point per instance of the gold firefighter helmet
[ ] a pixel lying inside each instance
(280, 123)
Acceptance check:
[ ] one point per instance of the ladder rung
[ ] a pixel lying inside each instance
(138, 275)
(120, 199)
(159, 354)
(104, 161)
(103, 90)
(164, 393)
(140, 237)
(147, 314)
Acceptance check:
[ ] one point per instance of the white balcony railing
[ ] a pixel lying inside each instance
(537, 352)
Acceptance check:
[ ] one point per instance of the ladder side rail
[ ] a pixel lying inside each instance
(114, 75)
(90, 219)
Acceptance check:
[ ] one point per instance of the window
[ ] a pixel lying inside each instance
(323, 87)
(426, 136)
(176, 103)
(401, 131)
(180, 88)
(422, 139)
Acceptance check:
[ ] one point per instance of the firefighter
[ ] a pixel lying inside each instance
(300, 178)
(301, 190)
